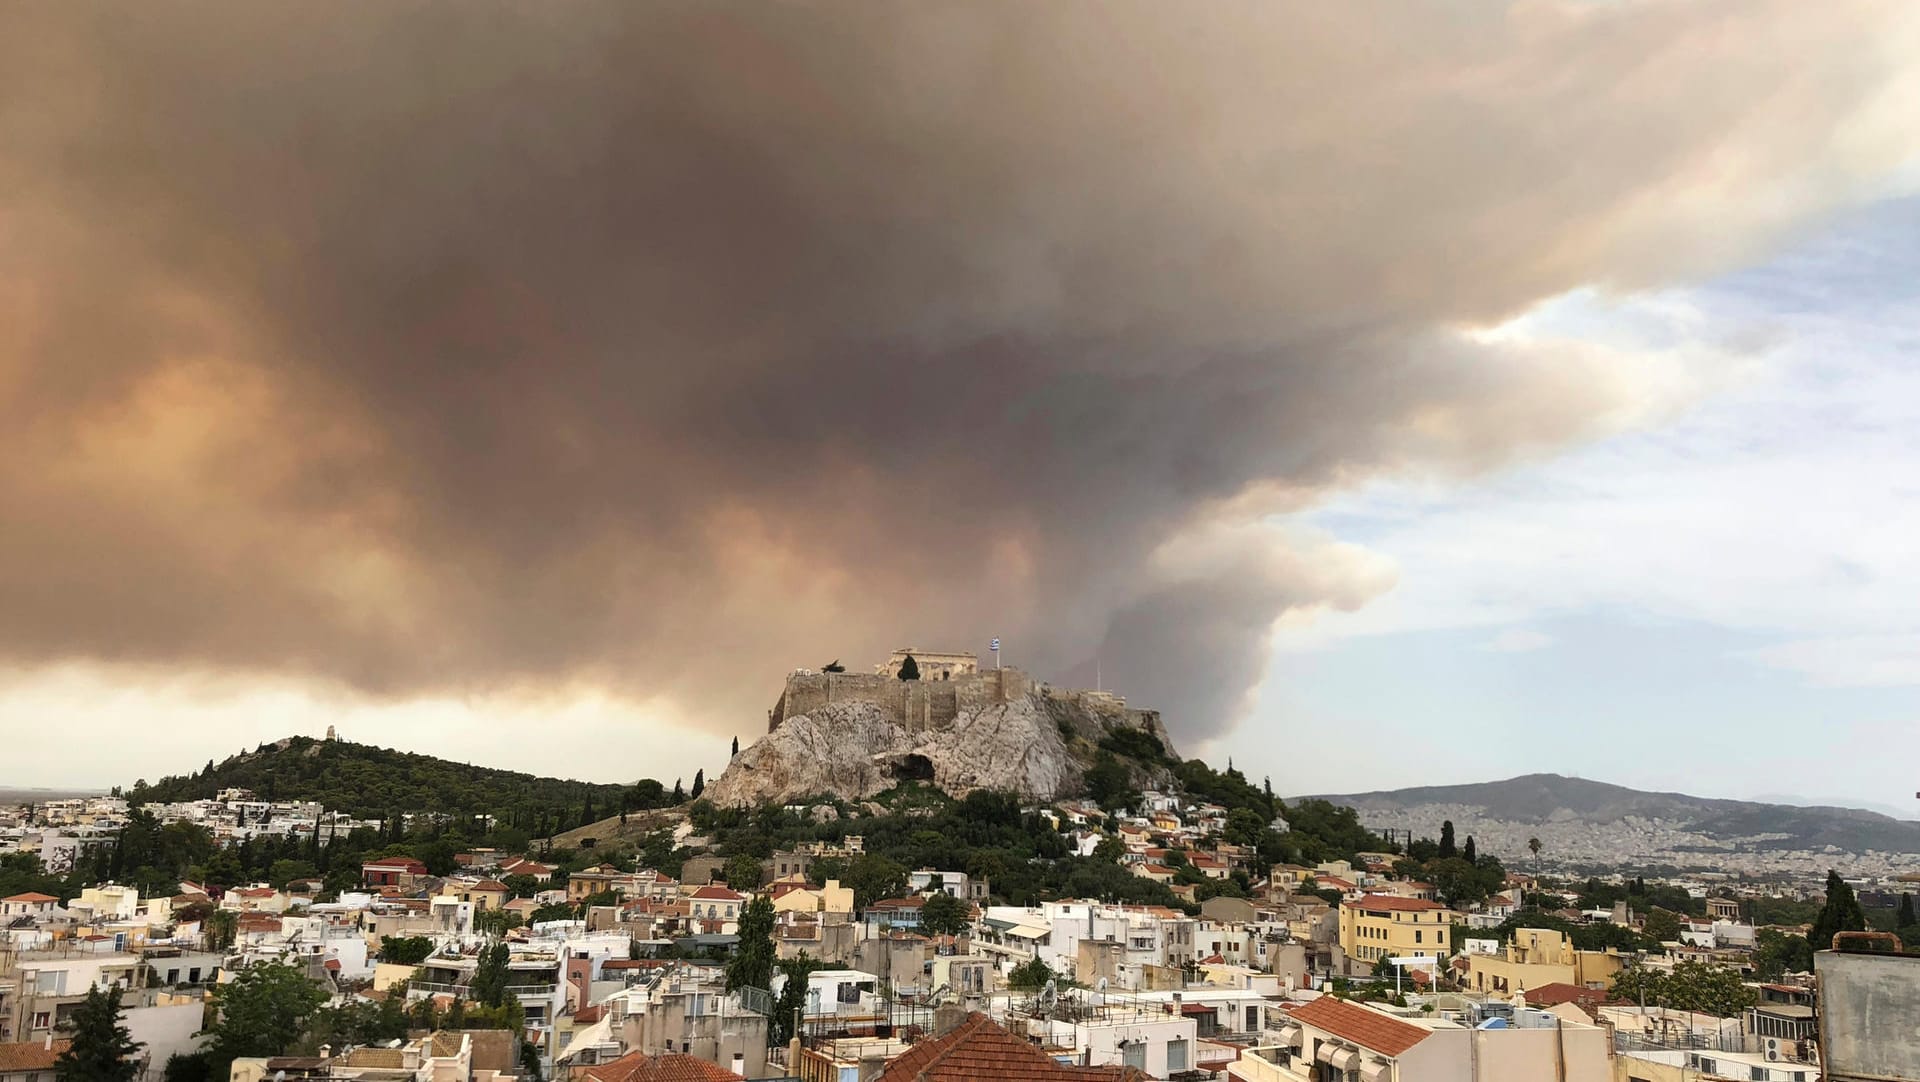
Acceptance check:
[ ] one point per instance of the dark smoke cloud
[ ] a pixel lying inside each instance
(660, 348)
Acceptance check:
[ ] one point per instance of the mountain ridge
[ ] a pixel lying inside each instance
(1554, 799)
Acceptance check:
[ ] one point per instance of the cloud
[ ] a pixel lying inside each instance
(423, 350)
(1519, 640)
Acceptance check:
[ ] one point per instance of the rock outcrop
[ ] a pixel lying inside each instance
(856, 742)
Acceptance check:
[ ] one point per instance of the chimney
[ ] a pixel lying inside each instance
(947, 1017)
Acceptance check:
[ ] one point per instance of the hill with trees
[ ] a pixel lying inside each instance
(370, 782)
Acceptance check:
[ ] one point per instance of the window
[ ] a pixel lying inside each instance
(1416, 935)
(1759, 1074)
(1134, 1054)
(42, 1019)
(1176, 1056)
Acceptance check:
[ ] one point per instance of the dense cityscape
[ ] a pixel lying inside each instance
(1154, 918)
(1062, 541)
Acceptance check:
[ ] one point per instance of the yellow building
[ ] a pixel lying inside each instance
(1538, 957)
(1380, 926)
(805, 898)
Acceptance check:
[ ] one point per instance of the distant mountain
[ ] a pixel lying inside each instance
(369, 782)
(29, 794)
(1798, 801)
(1591, 819)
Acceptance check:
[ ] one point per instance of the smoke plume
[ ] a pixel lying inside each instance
(664, 347)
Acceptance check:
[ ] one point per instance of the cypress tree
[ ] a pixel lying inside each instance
(699, 783)
(1904, 918)
(1841, 913)
(1447, 849)
(1467, 851)
(102, 1049)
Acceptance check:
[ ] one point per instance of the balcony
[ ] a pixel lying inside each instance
(1268, 1064)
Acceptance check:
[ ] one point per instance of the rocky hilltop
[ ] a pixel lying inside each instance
(855, 735)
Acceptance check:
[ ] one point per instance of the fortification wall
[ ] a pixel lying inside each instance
(915, 704)
(935, 704)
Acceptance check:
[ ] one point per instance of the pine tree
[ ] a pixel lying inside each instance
(1467, 852)
(1841, 913)
(102, 1049)
(1447, 849)
(699, 783)
(909, 669)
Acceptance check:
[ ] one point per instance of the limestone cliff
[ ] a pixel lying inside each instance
(854, 736)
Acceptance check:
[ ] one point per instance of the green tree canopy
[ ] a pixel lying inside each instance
(1661, 926)
(489, 988)
(909, 669)
(1689, 986)
(751, 964)
(1777, 954)
(793, 997)
(1030, 975)
(102, 1049)
(261, 1012)
(742, 871)
(943, 914)
(409, 950)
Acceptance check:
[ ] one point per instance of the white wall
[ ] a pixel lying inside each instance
(166, 1032)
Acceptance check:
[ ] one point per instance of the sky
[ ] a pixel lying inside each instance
(1521, 387)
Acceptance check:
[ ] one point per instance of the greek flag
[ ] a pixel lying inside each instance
(994, 646)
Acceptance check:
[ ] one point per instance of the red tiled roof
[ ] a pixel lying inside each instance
(1392, 901)
(26, 1056)
(980, 1048)
(1368, 1028)
(31, 896)
(588, 1015)
(1333, 881)
(1549, 995)
(489, 884)
(914, 902)
(671, 1067)
(717, 894)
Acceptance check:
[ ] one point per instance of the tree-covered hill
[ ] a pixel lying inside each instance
(370, 782)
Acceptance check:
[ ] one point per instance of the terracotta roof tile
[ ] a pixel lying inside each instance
(1370, 1029)
(33, 897)
(1394, 902)
(671, 1067)
(30, 1055)
(980, 1048)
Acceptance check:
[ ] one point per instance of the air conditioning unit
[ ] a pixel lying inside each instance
(1773, 1050)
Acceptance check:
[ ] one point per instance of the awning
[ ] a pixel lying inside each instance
(1346, 1059)
(1290, 1035)
(1373, 1070)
